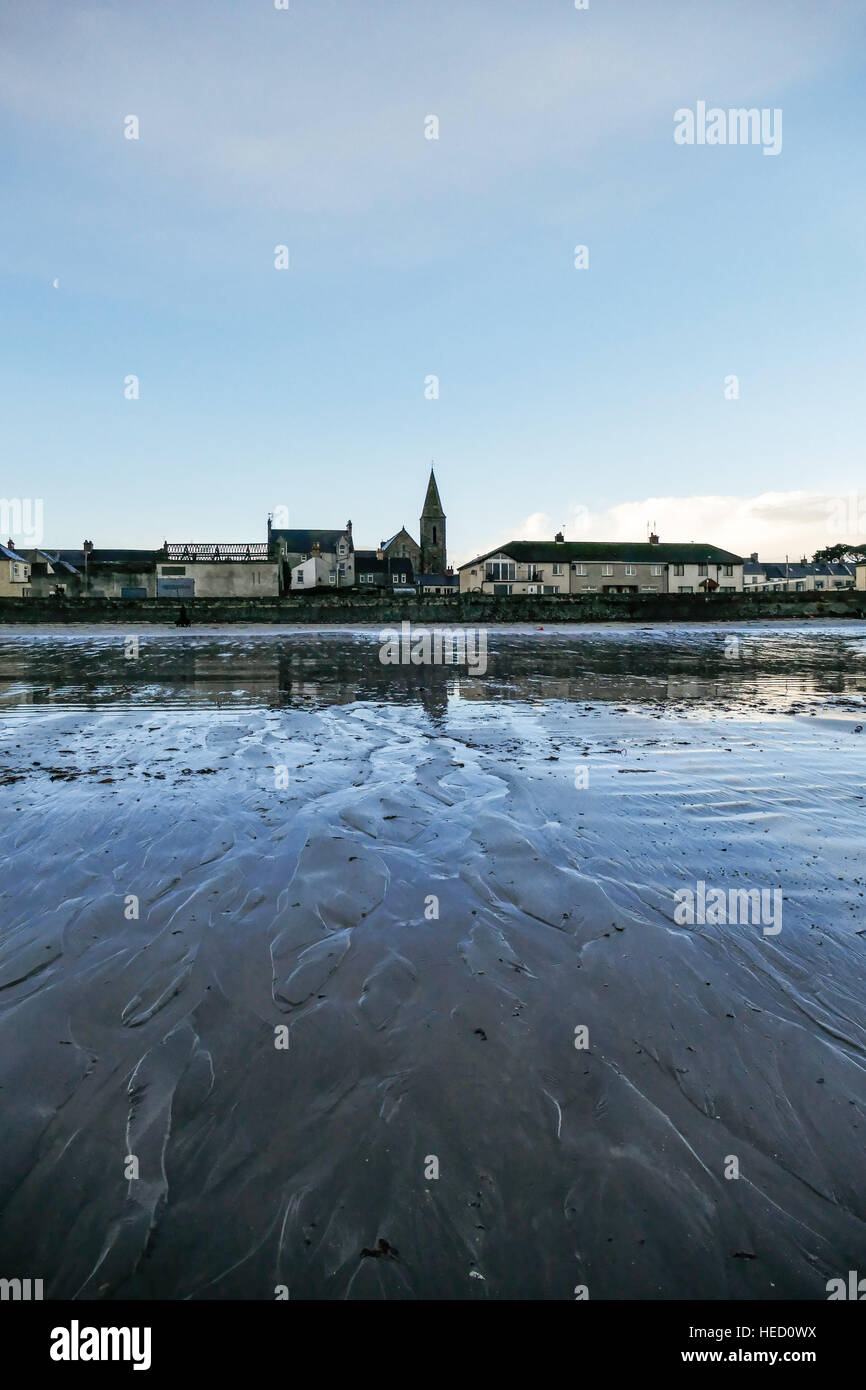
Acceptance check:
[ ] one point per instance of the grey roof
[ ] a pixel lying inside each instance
(782, 569)
(401, 532)
(11, 554)
(301, 541)
(56, 563)
(367, 562)
(638, 552)
(106, 557)
(440, 579)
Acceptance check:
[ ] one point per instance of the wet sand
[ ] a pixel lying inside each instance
(301, 900)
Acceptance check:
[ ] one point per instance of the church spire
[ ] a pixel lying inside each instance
(433, 553)
(432, 501)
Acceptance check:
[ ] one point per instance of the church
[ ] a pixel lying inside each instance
(311, 559)
(430, 557)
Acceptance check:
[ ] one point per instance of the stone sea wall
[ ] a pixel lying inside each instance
(475, 609)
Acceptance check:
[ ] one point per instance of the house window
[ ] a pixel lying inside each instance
(630, 569)
(299, 577)
(729, 570)
(702, 571)
(502, 588)
(173, 569)
(656, 570)
(557, 569)
(332, 578)
(686, 589)
(679, 569)
(607, 569)
(14, 571)
(550, 588)
(504, 569)
(579, 569)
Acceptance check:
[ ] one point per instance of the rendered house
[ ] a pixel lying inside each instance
(803, 576)
(602, 567)
(313, 559)
(92, 573)
(439, 584)
(374, 569)
(14, 573)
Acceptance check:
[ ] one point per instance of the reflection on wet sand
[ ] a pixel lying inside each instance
(770, 667)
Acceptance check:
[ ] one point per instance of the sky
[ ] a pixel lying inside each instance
(163, 379)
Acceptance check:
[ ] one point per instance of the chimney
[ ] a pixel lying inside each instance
(653, 539)
(349, 529)
(316, 548)
(380, 554)
(754, 557)
(559, 538)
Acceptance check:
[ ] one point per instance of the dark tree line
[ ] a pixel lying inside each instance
(840, 552)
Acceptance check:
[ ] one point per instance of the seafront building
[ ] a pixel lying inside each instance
(781, 576)
(602, 567)
(14, 572)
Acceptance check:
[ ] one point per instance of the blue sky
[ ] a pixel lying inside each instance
(590, 398)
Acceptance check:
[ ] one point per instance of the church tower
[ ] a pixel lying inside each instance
(434, 558)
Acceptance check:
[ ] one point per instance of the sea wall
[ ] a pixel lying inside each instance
(474, 609)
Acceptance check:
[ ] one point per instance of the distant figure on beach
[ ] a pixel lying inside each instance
(183, 618)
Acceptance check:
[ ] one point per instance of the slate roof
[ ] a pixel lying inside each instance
(56, 563)
(441, 580)
(75, 558)
(367, 562)
(11, 554)
(301, 542)
(638, 552)
(779, 570)
(401, 532)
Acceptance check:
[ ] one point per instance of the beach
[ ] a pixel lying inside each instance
(375, 972)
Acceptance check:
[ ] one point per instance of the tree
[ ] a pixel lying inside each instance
(831, 553)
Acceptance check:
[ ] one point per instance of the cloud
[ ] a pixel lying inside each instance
(774, 524)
